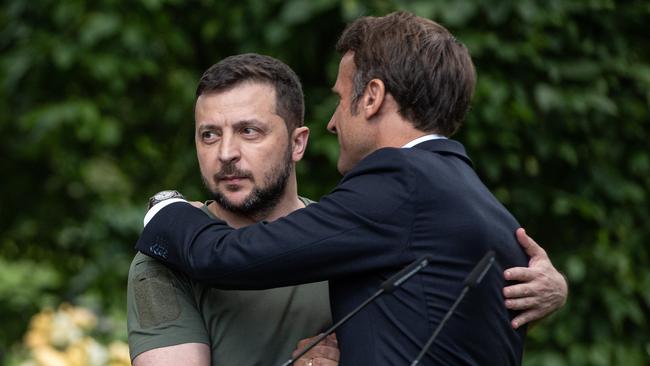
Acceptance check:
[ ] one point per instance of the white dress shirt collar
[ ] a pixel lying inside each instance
(424, 138)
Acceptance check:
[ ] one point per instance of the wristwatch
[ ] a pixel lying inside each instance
(164, 195)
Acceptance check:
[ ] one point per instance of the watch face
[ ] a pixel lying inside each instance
(164, 195)
(161, 196)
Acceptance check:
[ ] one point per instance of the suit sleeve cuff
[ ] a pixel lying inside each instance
(159, 206)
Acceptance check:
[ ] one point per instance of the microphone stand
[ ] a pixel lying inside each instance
(387, 286)
(474, 278)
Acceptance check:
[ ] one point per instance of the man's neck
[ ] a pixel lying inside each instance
(391, 129)
(395, 131)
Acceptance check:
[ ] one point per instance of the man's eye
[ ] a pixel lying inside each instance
(249, 131)
(208, 136)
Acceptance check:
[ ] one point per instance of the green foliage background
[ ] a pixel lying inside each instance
(96, 114)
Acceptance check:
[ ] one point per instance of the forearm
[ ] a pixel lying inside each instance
(306, 248)
(188, 354)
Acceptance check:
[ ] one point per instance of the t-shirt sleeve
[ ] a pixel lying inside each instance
(161, 308)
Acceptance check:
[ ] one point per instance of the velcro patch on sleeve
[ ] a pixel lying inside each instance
(155, 298)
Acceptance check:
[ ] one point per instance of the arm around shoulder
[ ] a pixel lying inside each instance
(367, 208)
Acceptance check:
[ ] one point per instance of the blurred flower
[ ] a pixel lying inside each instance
(81, 317)
(67, 332)
(118, 354)
(96, 354)
(64, 338)
(40, 329)
(47, 356)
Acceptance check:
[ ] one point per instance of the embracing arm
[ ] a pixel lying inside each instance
(362, 218)
(543, 289)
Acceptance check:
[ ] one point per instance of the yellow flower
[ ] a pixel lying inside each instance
(75, 355)
(118, 354)
(97, 354)
(65, 331)
(81, 317)
(43, 319)
(35, 338)
(61, 338)
(48, 356)
(40, 329)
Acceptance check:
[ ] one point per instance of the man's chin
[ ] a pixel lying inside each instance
(234, 199)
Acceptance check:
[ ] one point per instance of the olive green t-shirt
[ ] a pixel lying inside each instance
(166, 308)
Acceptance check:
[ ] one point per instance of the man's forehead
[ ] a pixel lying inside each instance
(242, 104)
(247, 88)
(347, 68)
(347, 62)
(241, 98)
(348, 57)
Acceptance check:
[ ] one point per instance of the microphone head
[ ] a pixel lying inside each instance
(400, 277)
(476, 276)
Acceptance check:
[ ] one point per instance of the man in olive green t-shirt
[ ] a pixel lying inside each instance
(247, 144)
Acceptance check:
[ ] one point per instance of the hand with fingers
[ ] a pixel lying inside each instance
(325, 353)
(196, 204)
(542, 289)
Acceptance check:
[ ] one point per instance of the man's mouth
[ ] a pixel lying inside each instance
(232, 179)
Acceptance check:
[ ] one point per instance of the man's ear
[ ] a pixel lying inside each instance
(373, 98)
(299, 139)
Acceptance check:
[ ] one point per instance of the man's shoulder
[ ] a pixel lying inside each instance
(405, 165)
(400, 165)
(139, 257)
(143, 265)
(386, 155)
(383, 161)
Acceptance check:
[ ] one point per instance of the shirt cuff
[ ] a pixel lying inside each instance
(159, 206)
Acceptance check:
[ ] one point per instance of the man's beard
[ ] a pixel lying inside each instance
(262, 199)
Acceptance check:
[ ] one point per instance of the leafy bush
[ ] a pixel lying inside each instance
(96, 114)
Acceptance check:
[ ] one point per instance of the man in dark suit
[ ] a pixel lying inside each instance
(405, 84)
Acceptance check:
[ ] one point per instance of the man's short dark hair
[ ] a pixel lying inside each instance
(251, 67)
(428, 72)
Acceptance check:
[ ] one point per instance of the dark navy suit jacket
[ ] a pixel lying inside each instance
(393, 207)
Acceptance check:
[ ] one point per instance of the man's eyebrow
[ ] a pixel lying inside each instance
(207, 126)
(238, 124)
(247, 122)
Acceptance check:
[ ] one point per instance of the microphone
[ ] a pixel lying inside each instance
(474, 278)
(387, 286)
(400, 277)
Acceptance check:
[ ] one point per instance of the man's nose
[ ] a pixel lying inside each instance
(229, 149)
(331, 126)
